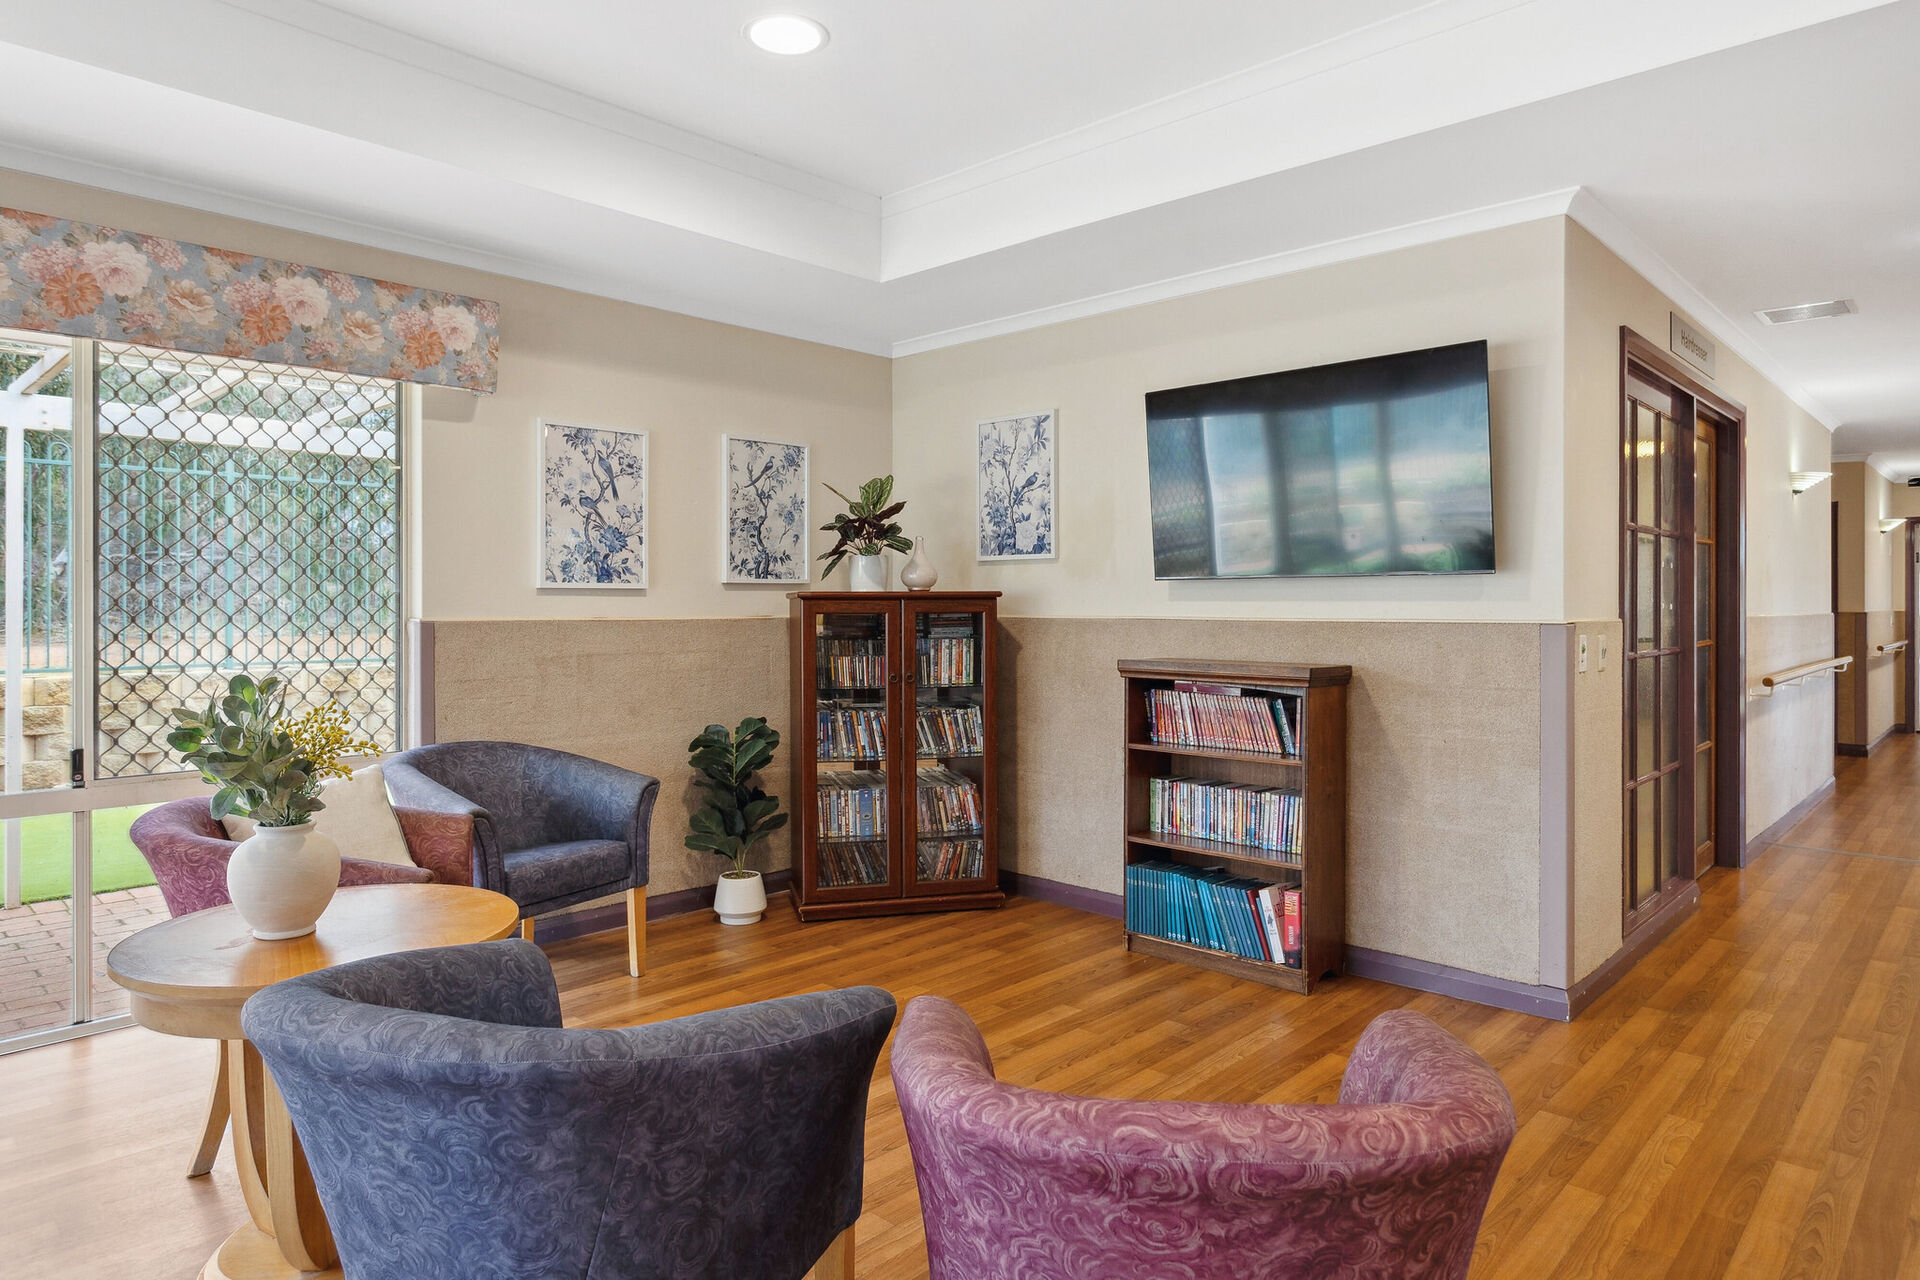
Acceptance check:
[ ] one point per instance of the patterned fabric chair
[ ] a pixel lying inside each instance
(1021, 1185)
(550, 829)
(187, 850)
(455, 1131)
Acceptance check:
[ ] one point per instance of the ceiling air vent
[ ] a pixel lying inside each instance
(1808, 311)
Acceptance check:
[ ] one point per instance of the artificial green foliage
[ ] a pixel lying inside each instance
(239, 747)
(737, 814)
(866, 527)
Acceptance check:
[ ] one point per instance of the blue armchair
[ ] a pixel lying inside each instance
(550, 829)
(455, 1131)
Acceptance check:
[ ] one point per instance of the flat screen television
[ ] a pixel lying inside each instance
(1372, 466)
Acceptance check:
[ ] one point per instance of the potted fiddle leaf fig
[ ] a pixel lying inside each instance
(864, 531)
(737, 814)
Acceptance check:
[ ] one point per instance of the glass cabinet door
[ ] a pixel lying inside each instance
(949, 720)
(853, 669)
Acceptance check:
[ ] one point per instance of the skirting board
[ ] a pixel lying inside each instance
(613, 915)
(1788, 821)
(1544, 1002)
(1859, 752)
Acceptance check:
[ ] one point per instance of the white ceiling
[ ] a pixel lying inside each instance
(945, 171)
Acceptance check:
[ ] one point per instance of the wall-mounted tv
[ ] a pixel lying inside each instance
(1372, 466)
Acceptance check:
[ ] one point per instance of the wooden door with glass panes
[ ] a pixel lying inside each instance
(949, 714)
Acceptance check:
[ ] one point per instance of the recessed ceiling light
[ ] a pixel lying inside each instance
(1808, 311)
(786, 33)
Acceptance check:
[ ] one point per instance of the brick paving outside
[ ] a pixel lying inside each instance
(36, 984)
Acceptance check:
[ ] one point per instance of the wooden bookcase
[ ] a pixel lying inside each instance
(1318, 775)
(878, 829)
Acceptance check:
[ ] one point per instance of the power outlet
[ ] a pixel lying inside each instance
(1582, 667)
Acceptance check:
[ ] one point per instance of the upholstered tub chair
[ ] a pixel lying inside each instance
(550, 829)
(1015, 1184)
(187, 850)
(454, 1130)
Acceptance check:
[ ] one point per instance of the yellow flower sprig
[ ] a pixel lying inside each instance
(323, 736)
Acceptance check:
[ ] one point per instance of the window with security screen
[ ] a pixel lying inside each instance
(249, 520)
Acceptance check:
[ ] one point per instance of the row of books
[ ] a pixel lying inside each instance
(1211, 907)
(952, 859)
(948, 660)
(853, 805)
(947, 803)
(1266, 817)
(1217, 717)
(842, 865)
(851, 733)
(951, 731)
(853, 663)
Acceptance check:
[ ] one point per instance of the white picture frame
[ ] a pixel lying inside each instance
(1009, 460)
(593, 499)
(761, 480)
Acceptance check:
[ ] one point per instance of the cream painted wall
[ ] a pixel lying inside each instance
(1502, 285)
(572, 356)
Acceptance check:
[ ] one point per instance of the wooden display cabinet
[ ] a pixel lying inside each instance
(894, 798)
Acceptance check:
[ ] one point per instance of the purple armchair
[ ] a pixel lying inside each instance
(1021, 1185)
(187, 849)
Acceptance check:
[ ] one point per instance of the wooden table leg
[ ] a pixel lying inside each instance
(273, 1170)
(216, 1124)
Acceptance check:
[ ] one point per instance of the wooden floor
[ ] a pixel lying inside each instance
(1746, 1103)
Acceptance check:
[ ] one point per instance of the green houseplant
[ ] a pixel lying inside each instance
(268, 768)
(738, 813)
(865, 530)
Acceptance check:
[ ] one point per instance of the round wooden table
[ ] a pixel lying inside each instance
(189, 976)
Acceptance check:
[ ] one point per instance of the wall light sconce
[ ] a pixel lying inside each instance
(1888, 526)
(1801, 481)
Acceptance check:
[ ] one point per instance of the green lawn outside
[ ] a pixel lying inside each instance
(46, 854)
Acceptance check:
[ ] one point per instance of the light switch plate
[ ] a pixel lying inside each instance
(1582, 668)
(1603, 653)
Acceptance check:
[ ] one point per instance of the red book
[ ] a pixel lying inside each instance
(1290, 926)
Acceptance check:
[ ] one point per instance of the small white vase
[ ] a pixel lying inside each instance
(869, 573)
(282, 878)
(740, 897)
(919, 574)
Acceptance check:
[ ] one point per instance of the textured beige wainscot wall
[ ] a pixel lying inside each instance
(631, 692)
(1789, 735)
(1444, 768)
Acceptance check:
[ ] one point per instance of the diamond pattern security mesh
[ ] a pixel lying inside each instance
(249, 520)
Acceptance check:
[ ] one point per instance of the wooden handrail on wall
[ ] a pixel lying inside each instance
(1794, 675)
(1895, 647)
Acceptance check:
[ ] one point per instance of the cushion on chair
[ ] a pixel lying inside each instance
(549, 871)
(358, 817)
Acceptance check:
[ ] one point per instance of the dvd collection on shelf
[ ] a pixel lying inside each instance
(844, 865)
(1212, 908)
(944, 859)
(853, 805)
(1223, 717)
(947, 803)
(852, 663)
(951, 731)
(947, 650)
(1263, 817)
(851, 733)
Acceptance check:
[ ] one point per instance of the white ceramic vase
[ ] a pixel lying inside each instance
(282, 878)
(919, 574)
(740, 897)
(869, 573)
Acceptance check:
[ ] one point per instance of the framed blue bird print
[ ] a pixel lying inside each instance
(593, 507)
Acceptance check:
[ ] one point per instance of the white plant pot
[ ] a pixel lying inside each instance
(740, 897)
(869, 573)
(282, 878)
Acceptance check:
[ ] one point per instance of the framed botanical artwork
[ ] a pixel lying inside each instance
(593, 506)
(1014, 487)
(763, 537)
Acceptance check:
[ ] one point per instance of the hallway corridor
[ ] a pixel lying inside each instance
(1874, 810)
